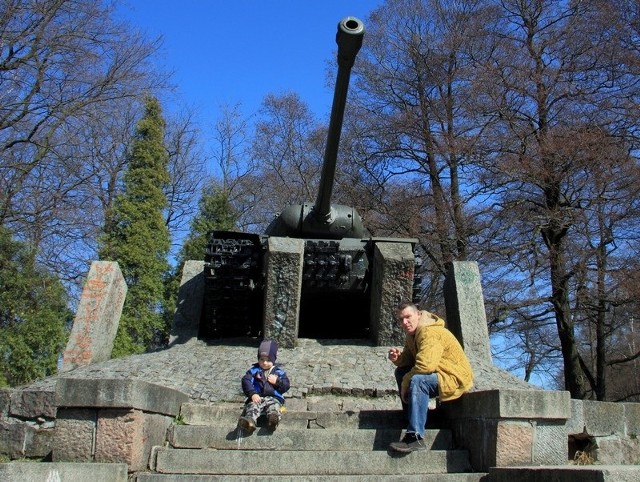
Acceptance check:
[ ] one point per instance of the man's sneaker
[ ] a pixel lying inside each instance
(410, 443)
(246, 424)
(272, 421)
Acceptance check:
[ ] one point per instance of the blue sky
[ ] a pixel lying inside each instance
(237, 51)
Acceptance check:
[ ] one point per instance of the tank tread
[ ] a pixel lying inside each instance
(233, 285)
(328, 267)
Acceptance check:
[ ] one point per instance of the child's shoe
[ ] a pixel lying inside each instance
(272, 421)
(246, 424)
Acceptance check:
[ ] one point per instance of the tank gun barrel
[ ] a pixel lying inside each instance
(349, 39)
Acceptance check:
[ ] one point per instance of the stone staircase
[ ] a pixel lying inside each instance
(308, 445)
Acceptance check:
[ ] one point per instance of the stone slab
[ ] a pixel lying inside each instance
(513, 404)
(97, 318)
(74, 435)
(67, 472)
(287, 437)
(466, 316)
(472, 477)
(514, 443)
(283, 275)
(119, 437)
(550, 442)
(118, 393)
(575, 423)
(617, 450)
(603, 418)
(323, 462)
(392, 284)
(12, 438)
(632, 419)
(564, 473)
(31, 404)
(186, 319)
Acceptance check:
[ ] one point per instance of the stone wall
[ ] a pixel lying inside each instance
(504, 428)
(84, 420)
(511, 427)
(112, 421)
(27, 421)
(604, 432)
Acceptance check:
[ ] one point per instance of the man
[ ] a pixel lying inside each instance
(432, 363)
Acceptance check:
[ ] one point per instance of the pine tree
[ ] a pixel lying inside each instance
(215, 212)
(33, 315)
(137, 237)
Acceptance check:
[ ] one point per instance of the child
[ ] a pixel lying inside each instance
(264, 385)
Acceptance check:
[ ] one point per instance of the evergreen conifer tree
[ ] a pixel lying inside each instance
(215, 212)
(33, 315)
(137, 237)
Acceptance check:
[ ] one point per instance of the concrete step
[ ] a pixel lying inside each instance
(567, 473)
(150, 477)
(226, 415)
(317, 463)
(285, 438)
(63, 471)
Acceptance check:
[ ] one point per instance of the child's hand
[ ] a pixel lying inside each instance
(255, 398)
(272, 379)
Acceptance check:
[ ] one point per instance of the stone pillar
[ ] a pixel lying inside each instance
(283, 286)
(96, 323)
(186, 319)
(392, 283)
(466, 316)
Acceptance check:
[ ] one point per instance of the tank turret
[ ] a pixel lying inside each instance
(336, 278)
(323, 219)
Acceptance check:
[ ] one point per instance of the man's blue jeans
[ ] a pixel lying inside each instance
(421, 388)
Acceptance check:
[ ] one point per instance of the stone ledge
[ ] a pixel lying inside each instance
(119, 393)
(512, 404)
(566, 473)
(69, 472)
(31, 404)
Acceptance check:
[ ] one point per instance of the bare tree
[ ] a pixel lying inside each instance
(187, 170)
(287, 155)
(69, 78)
(548, 76)
(233, 166)
(417, 126)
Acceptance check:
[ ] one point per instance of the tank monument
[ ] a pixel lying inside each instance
(170, 415)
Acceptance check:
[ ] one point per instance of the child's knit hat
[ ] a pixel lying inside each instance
(268, 348)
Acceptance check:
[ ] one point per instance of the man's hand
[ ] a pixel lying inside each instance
(394, 354)
(255, 398)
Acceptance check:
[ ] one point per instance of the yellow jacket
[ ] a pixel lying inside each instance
(434, 349)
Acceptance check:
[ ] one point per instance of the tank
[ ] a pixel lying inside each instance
(335, 294)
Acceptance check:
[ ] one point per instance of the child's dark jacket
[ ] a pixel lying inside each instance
(254, 382)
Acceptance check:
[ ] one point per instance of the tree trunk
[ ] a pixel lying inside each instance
(573, 376)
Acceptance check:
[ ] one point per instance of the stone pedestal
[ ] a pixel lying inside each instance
(114, 421)
(283, 273)
(392, 283)
(96, 323)
(511, 427)
(186, 320)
